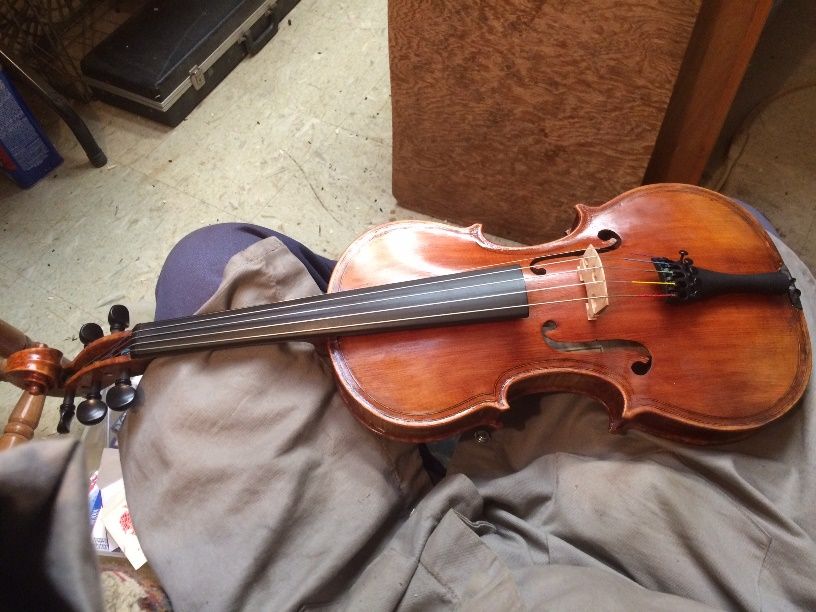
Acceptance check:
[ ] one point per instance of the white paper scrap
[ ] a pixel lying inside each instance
(116, 518)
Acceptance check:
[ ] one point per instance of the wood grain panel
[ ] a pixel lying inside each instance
(506, 110)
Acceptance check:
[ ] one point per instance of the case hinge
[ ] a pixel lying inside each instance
(197, 77)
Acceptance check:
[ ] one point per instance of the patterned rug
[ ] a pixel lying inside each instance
(124, 588)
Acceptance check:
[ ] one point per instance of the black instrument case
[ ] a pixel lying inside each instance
(165, 59)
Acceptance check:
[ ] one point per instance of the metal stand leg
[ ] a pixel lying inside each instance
(56, 101)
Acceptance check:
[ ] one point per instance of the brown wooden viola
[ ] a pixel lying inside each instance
(670, 304)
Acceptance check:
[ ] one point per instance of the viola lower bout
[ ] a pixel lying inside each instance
(701, 371)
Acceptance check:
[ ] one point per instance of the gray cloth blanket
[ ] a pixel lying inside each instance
(46, 558)
(253, 487)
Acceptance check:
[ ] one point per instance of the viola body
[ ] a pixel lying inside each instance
(705, 371)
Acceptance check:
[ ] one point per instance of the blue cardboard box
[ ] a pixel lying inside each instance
(26, 154)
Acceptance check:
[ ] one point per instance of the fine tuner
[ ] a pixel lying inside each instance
(118, 397)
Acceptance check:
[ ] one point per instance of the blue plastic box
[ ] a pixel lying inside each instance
(26, 154)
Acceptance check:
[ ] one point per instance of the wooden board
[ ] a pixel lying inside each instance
(721, 47)
(507, 110)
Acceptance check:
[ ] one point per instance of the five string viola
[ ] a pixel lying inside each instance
(433, 330)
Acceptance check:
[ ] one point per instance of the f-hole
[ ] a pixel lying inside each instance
(640, 366)
(610, 241)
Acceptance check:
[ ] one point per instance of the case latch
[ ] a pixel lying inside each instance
(197, 77)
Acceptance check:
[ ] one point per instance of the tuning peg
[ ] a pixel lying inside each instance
(93, 409)
(121, 395)
(90, 332)
(66, 413)
(118, 318)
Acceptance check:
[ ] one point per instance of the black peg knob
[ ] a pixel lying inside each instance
(93, 409)
(66, 413)
(90, 332)
(118, 318)
(121, 395)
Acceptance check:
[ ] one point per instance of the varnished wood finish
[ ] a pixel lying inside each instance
(38, 367)
(507, 112)
(12, 339)
(723, 42)
(105, 373)
(93, 366)
(721, 367)
(23, 420)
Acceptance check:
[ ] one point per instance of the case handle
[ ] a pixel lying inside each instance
(254, 44)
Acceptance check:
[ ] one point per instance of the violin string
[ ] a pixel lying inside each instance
(635, 259)
(117, 348)
(497, 269)
(145, 343)
(252, 317)
(232, 314)
(323, 330)
(571, 259)
(283, 309)
(130, 340)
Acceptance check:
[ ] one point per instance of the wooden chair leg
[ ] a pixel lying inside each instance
(12, 340)
(23, 420)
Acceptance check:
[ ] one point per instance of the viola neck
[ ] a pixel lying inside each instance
(468, 297)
